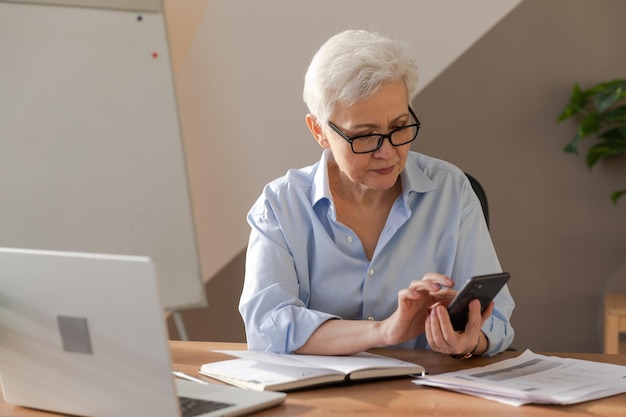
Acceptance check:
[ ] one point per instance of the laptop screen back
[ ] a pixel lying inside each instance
(83, 334)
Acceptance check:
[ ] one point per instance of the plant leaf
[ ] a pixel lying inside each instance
(618, 133)
(605, 148)
(608, 96)
(616, 195)
(607, 85)
(572, 146)
(590, 125)
(577, 101)
(617, 115)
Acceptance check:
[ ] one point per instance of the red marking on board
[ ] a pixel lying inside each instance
(155, 55)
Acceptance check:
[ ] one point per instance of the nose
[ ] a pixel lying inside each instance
(386, 148)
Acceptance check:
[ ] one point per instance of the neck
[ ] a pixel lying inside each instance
(357, 194)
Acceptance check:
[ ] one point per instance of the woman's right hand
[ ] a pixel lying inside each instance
(414, 303)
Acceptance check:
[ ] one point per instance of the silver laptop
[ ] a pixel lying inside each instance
(85, 334)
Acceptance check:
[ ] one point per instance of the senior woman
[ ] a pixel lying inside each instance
(366, 247)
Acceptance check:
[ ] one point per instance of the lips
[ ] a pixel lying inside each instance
(384, 171)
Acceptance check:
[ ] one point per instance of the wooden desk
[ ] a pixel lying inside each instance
(397, 397)
(400, 397)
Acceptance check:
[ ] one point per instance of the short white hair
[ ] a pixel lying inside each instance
(351, 66)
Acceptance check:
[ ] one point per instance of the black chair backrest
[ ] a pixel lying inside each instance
(482, 196)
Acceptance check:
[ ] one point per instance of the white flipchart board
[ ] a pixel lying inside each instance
(91, 154)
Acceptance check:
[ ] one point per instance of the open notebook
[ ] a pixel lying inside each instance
(85, 334)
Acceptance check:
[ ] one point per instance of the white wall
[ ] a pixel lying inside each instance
(239, 73)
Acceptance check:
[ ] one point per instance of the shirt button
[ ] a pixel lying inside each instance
(349, 239)
(370, 272)
(370, 318)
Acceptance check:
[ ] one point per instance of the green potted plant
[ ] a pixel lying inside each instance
(601, 113)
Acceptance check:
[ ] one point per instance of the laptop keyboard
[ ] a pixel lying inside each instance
(191, 407)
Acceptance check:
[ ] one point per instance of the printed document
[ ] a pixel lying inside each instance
(533, 378)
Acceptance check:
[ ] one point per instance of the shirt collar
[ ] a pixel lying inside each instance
(321, 186)
(412, 177)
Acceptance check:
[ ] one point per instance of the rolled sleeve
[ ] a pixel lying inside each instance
(498, 328)
(275, 316)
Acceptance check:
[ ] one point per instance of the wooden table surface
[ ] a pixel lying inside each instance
(395, 397)
(400, 397)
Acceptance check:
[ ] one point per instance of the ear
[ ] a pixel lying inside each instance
(317, 131)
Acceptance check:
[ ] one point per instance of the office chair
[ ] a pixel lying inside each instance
(482, 196)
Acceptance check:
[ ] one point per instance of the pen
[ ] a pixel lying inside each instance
(183, 375)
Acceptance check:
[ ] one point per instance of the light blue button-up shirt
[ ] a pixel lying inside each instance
(303, 267)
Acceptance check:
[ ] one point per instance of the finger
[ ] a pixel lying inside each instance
(438, 279)
(413, 304)
(443, 335)
(474, 318)
(413, 293)
(448, 334)
(427, 330)
(424, 285)
(433, 334)
(445, 296)
(488, 312)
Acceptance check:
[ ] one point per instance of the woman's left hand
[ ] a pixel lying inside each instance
(442, 337)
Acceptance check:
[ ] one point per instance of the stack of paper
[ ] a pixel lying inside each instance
(533, 378)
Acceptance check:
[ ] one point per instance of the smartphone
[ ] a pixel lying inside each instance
(482, 287)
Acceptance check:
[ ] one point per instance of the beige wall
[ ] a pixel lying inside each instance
(493, 112)
(239, 71)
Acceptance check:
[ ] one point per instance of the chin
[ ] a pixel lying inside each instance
(385, 185)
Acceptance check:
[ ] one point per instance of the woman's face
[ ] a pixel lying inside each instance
(384, 111)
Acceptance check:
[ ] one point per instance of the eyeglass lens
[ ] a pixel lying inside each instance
(371, 143)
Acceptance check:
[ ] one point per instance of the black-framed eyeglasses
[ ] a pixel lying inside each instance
(373, 142)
